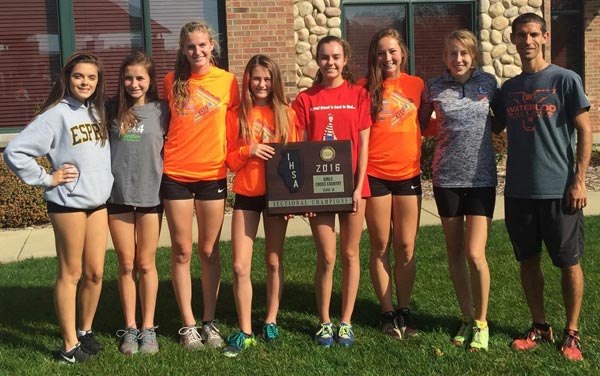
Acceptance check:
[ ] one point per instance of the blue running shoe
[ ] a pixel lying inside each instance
(345, 336)
(238, 342)
(324, 334)
(270, 332)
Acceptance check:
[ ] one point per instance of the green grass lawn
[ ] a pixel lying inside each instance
(28, 329)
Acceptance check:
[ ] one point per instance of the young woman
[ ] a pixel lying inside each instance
(71, 131)
(138, 126)
(464, 177)
(394, 178)
(194, 173)
(263, 117)
(334, 108)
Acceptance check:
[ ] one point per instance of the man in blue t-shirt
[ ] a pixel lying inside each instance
(544, 108)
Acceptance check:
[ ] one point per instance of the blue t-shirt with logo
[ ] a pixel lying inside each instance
(538, 110)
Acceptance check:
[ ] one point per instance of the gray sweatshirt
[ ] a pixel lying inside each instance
(65, 133)
(137, 162)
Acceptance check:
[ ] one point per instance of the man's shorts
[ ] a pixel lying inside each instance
(531, 221)
(383, 187)
(458, 202)
(121, 209)
(256, 203)
(171, 189)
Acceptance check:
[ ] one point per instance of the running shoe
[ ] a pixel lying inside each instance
(190, 338)
(324, 334)
(571, 345)
(405, 323)
(481, 336)
(90, 344)
(270, 332)
(345, 336)
(238, 342)
(129, 340)
(211, 335)
(76, 355)
(465, 333)
(532, 338)
(147, 341)
(389, 325)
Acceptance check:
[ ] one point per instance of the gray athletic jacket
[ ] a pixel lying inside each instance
(65, 133)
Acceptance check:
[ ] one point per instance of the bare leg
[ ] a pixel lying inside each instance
(378, 215)
(69, 234)
(94, 251)
(243, 232)
(457, 263)
(351, 225)
(147, 233)
(476, 239)
(179, 218)
(122, 231)
(532, 280)
(405, 217)
(275, 227)
(572, 289)
(209, 215)
(323, 230)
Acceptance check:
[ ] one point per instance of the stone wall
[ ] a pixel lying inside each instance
(499, 55)
(314, 19)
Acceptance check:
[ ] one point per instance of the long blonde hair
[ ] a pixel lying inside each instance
(278, 101)
(183, 70)
(375, 76)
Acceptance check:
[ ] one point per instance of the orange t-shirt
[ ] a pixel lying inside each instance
(395, 141)
(196, 145)
(250, 171)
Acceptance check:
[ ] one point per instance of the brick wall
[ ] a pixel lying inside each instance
(592, 62)
(266, 27)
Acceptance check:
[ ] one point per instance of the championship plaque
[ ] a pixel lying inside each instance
(314, 176)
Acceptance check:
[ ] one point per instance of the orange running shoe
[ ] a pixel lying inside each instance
(571, 345)
(532, 338)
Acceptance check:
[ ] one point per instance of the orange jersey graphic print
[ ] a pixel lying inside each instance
(203, 104)
(530, 106)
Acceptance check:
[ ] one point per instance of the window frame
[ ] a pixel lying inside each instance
(410, 42)
(580, 14)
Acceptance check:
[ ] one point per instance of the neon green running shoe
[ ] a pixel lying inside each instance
(465, 333)
(238, 342)
(481, 336)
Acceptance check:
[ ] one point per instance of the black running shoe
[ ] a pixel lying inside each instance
(90, 344)
(77, 355)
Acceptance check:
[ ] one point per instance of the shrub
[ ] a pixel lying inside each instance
(20, 204)
(427, 147)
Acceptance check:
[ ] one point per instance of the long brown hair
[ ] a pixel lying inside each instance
(375, 77)
(124, 115)
(346, 73)
(278, 101)
(61, 90)
(183, 70)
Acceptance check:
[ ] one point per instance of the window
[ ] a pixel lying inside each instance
(424, 24)
(116, 31)
(34, 43)
(29, 58)
(567, 34)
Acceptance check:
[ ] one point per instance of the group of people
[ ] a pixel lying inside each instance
(120, 165)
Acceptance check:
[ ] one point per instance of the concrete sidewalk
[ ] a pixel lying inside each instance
(39, 242)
